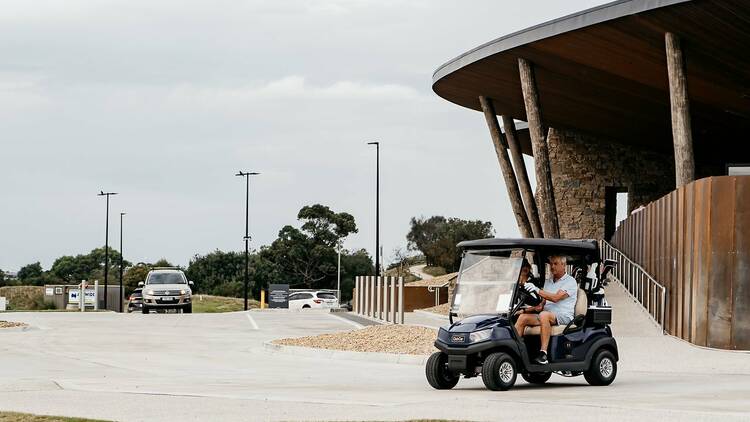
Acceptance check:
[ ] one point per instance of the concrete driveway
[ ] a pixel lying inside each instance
(166, 367)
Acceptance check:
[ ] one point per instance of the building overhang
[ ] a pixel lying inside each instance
(603, 72)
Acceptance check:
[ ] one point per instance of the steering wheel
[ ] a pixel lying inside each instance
(531, 299)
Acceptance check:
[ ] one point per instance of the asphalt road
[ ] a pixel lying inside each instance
(166, 367)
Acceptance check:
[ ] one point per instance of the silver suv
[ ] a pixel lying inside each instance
(167, 288)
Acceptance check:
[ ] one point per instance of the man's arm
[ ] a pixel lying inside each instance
(553, 297)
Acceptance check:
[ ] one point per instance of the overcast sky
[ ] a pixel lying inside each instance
(164, 101)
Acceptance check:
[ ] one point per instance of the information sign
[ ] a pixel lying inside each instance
(278, 296)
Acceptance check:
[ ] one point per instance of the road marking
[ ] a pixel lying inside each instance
(252, 321)
(356, 325)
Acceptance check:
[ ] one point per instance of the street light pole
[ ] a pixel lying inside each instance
(377, 207)
(121, 257)
(338, 278)
(247, 175)
(106, 245)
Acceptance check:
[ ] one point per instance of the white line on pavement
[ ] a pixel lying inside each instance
(252, 321)
(356, 325)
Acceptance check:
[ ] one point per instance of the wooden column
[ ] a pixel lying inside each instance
(682, 136)
(548, 214)
(510, 177)
(523, 177)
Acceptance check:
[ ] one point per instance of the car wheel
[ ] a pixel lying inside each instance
(499, 371)
(603, 369)
(305, 306)
(188, 309)
(438, 374)
(144, 309)
(536, 377)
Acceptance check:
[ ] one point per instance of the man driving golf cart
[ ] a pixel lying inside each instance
(495, 339)
(558, 303)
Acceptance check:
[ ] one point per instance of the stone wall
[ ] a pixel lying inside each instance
(583, 168)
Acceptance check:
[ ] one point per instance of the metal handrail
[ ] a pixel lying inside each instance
(639, 284)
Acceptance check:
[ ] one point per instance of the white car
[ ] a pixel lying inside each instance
(313, 300)
(167, 288)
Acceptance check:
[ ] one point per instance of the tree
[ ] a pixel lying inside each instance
(219, 273)
(73, 269)
(31, 274)
(307, 256)
(353, 264)
(134, 275)
(436, 237)
(162, 263)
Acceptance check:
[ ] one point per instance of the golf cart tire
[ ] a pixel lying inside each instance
(603, 368)
(491, 371)
(188, 309)
(144, 309)
(437, 372)
(536, 377)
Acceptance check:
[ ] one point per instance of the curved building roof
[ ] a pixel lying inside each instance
(603, 71)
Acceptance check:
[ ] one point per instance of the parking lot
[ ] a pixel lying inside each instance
(214, 367)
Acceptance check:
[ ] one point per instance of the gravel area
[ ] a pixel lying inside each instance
(440, 309)
(399, 339)
(11, 324)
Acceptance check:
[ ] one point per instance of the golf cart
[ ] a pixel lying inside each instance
(488, 296)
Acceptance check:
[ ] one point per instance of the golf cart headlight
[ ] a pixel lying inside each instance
(480, 335)
(149, 292)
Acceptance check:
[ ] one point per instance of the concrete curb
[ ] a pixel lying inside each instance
(345, 354)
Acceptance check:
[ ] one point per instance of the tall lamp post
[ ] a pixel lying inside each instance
(377, 207)
(106, 245)
(121, 257)
(338, 277)
(247, 175)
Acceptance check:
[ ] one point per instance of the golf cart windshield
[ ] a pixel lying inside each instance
(485, 282)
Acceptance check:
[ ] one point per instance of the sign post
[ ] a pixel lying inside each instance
(82, 296)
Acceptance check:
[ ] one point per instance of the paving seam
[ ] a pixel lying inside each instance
(348, 321)
(358, 319)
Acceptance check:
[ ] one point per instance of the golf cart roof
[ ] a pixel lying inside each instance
(558, 245)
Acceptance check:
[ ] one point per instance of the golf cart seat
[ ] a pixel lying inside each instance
(582, 305)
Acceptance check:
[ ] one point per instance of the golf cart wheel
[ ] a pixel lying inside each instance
(499, 371)
(536, 377)
(603, 369)
(438, 374)
(144, 309)
(188, 309)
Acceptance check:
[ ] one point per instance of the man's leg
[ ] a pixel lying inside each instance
(526, 320)
(547, 320)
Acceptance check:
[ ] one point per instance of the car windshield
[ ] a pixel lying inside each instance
(485, 282)
(166, 278)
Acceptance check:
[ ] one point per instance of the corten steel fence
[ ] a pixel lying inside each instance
(639, 284)
(380, 298)
(696, 242)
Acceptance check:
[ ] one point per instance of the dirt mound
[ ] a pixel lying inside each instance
(440, 309)
(11, 324)
(400, 339)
